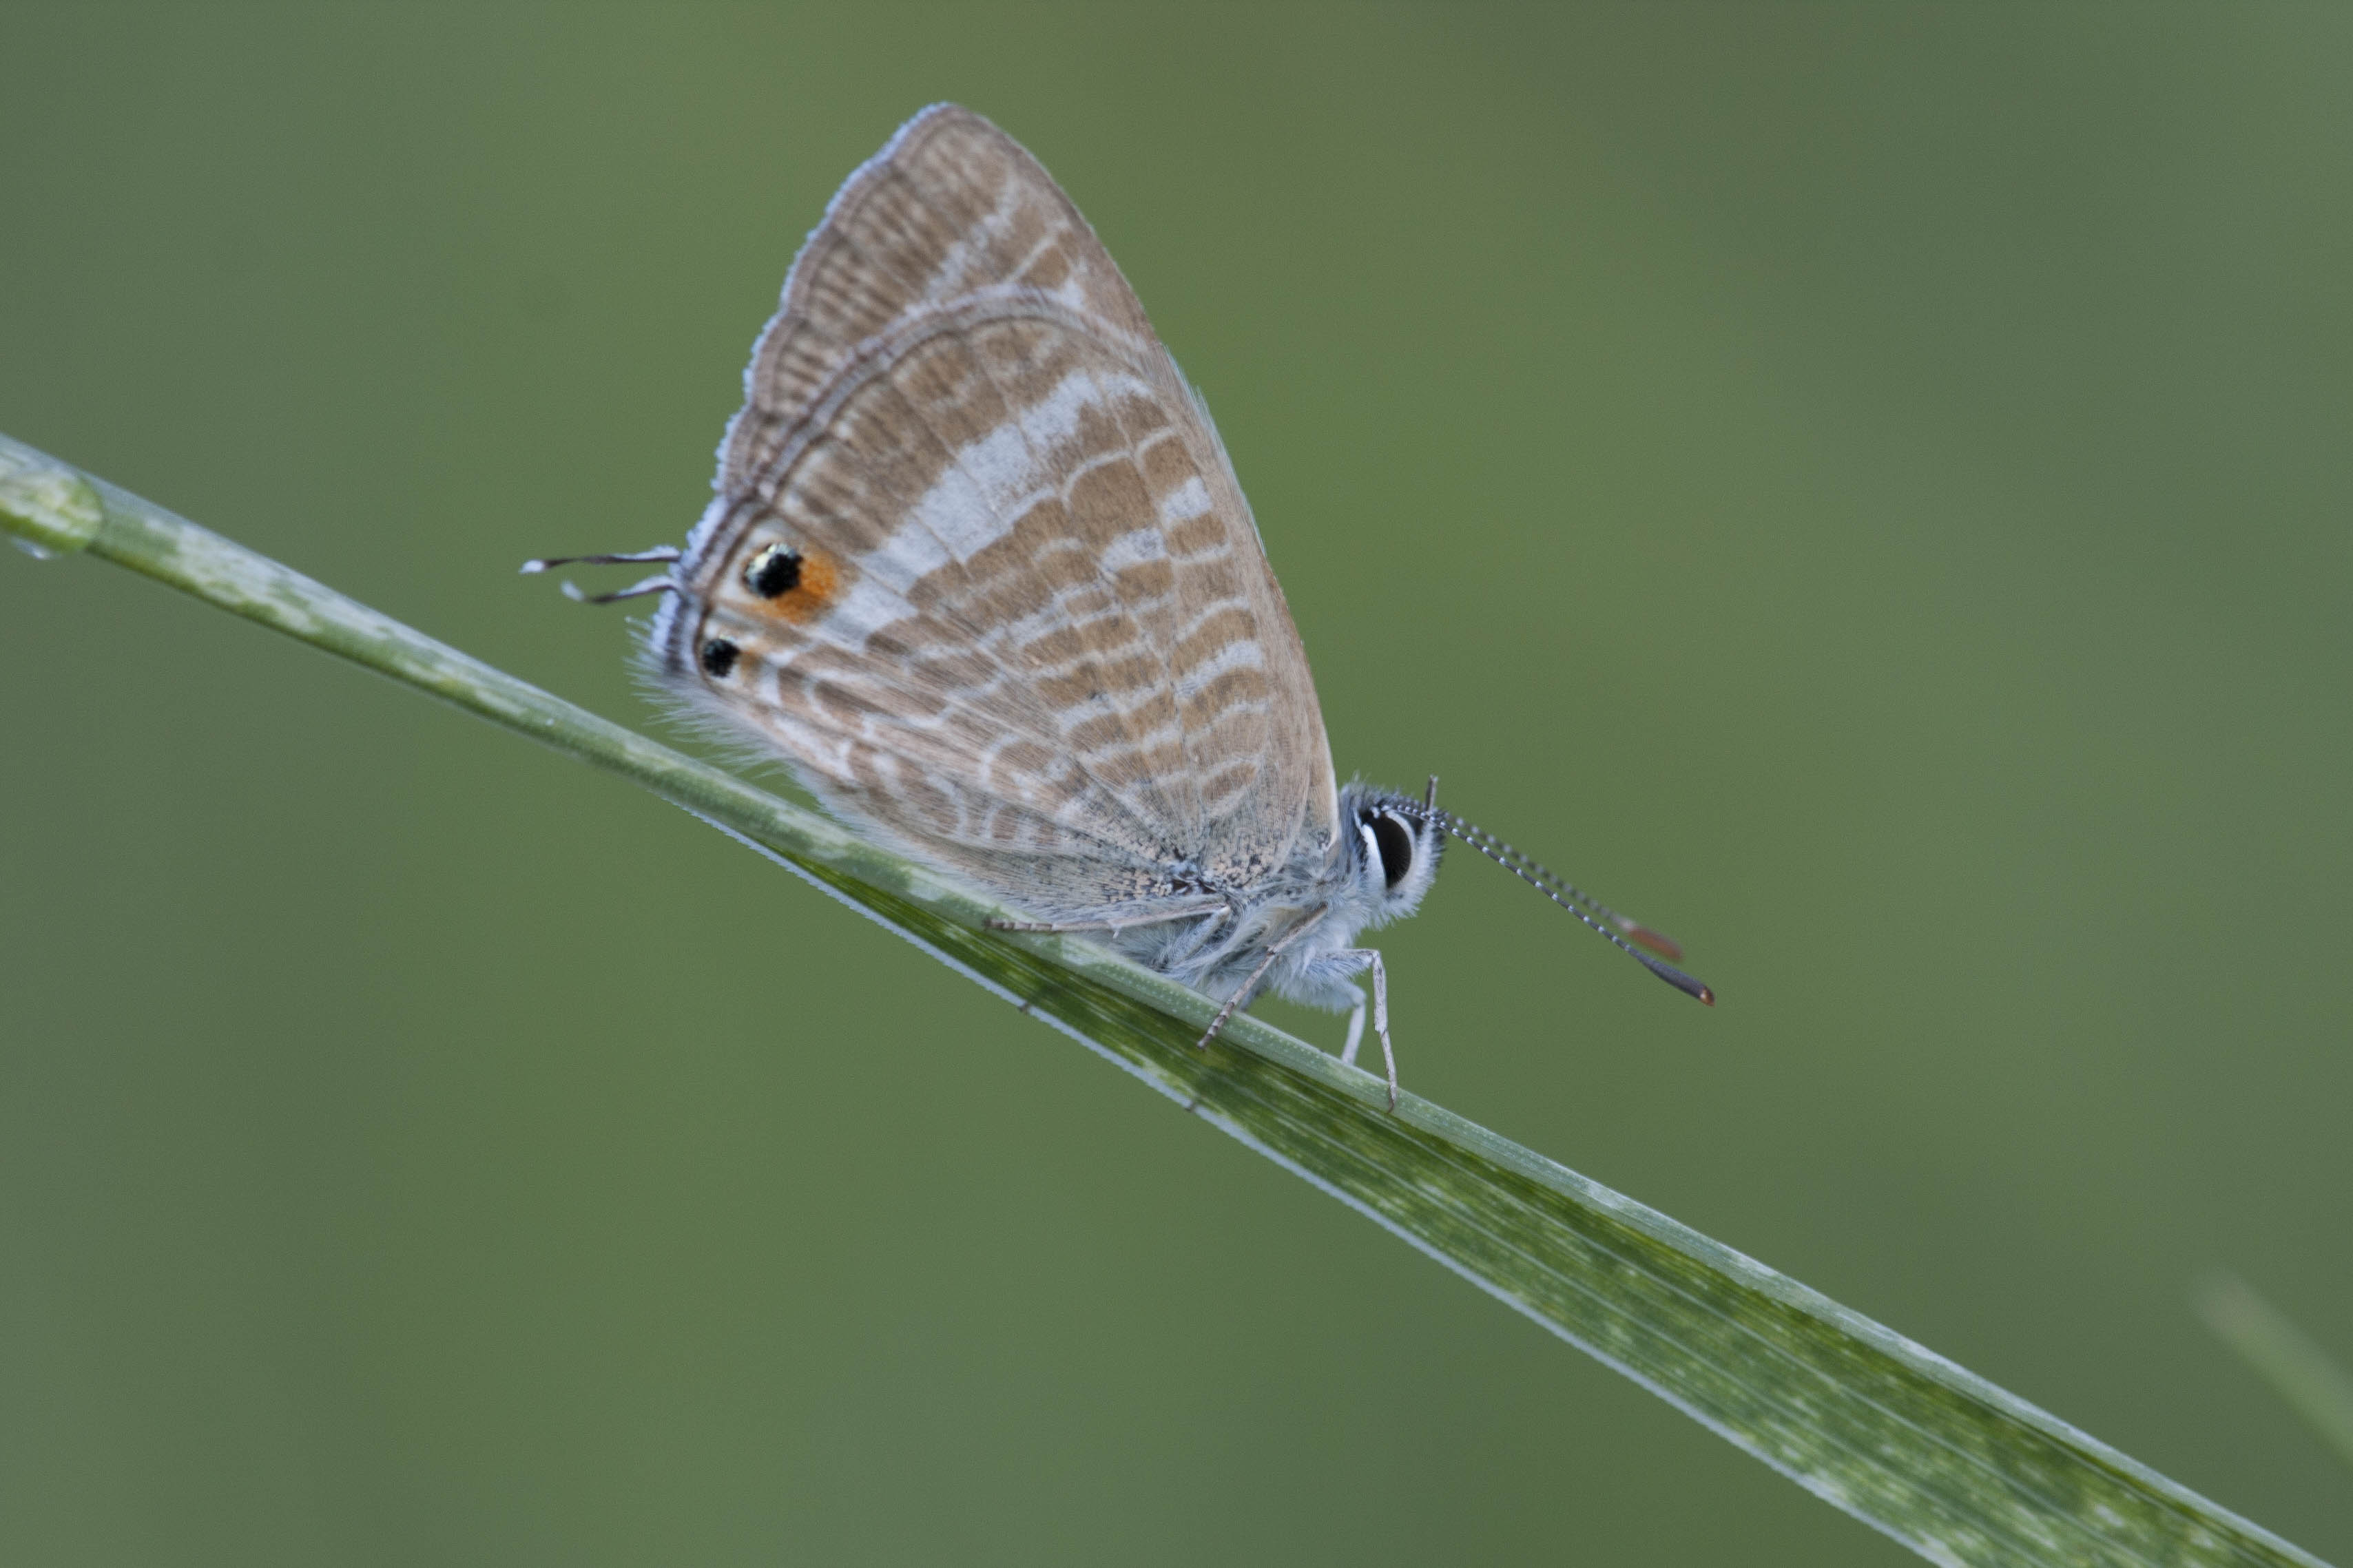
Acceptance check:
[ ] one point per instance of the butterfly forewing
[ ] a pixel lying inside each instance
(1030, 630)
(951, 210)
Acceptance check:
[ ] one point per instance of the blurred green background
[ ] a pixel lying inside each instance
(1866, 489)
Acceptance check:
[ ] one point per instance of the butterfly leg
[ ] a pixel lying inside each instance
(1250, 985)
(1372, 957)
(1211, 923)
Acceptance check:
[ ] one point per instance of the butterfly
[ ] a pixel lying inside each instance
(978, 568)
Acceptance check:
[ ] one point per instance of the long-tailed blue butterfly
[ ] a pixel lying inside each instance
(979, 570)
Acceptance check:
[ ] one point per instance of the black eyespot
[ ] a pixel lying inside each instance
(1396, 845)
(773, 571)
(719, 656)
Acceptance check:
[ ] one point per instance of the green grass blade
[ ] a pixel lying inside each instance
(1939, 1459)
(2315, 1385)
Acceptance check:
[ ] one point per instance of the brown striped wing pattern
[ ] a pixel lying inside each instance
(978, 566)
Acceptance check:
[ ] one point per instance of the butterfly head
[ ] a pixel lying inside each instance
(1388, 849)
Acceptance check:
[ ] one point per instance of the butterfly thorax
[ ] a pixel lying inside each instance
(1375, 870)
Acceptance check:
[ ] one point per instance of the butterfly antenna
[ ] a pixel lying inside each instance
(1629, 936)
(659, 583)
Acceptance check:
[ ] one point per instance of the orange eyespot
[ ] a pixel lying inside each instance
(795, 582)
(776, 569)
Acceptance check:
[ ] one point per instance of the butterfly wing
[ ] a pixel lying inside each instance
(978, 566)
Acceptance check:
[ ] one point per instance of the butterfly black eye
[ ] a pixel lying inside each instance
(1396, 845)
(719, 656)
(773, 571)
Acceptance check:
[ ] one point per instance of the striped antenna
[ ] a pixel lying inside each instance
(1593, 912)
